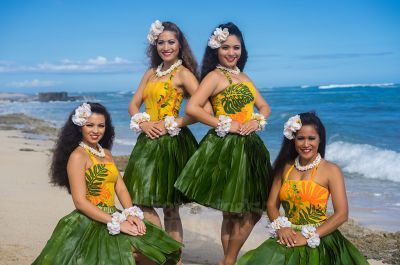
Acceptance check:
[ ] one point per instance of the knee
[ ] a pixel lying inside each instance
(171, 213)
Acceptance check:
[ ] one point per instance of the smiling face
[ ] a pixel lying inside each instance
(168, 46)
(307, 142)
(230, 51)
(94, 129)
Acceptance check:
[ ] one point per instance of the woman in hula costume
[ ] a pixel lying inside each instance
(303, 182)
(164, 144)
(96, 232)
(231, 169)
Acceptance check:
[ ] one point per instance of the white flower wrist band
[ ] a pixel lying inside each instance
(114, 227)
(224, 125)
(171, 126)
(277, 224)
(133, 211)
(261, 121)
(137, 119)
(309, 232)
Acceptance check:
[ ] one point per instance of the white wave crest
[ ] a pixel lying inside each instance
(356, 85)
(125, 142)
(366, 160)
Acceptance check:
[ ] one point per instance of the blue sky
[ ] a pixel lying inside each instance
(100, 45)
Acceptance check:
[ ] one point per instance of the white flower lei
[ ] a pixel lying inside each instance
(261, 121)
(171, 126)
(291, 126)
(220, 35)
(235, 71)
(133, 211)
(309, 232)
(93, 151)
(277, 224)
(137, 119)
(224, 125)
(155, 30)
(114, 227)
(82, 113)
(313, 164)
(160, 73)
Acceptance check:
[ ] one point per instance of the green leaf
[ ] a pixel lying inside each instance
(236, 96)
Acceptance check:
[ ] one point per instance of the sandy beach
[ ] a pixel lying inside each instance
(31, 208)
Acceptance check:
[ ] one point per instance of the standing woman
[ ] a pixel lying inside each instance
(164, 144)
(231, 169)
(303, 182)
(96, 232)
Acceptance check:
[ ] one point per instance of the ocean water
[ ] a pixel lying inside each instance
(362, 123)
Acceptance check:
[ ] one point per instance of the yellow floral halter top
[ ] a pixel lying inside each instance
(304, 201)
(100, 182)
(235, 101)
(161, 99)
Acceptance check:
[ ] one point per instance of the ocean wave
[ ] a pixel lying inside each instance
(356, 85)
(366, 160)
(125, 142)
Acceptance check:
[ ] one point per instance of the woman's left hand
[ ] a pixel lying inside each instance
(161, 126)
(139, 223)
(249, 127)
(300, 240)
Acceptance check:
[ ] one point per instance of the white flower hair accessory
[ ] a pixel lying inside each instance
(155, 30)
(292, 126)
(218, 36)
(82, 113)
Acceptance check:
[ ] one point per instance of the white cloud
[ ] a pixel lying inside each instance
(33, 83)
(100, 60)
(100, 64)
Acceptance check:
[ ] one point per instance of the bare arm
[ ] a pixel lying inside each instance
(190, 85)
(137, 98)
(197, 103)
(339, 201)
(262, 105)
(273, 202)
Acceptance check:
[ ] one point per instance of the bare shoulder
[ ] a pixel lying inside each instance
(78, 156)
(245, 77)
(184, 72)
(108, 154)
(331, 169)
(150, 72)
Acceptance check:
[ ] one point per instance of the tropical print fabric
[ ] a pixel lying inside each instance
(236, 101)
(161, 99)
(304, 201)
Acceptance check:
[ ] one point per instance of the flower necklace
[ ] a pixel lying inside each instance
(308, 166)
(235, 71)
(160, 73)
(93, 151)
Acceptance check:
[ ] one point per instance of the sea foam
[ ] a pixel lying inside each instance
(366, 160)
(356, 85)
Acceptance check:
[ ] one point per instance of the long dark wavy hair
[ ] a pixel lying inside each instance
(210, 58)
(288, 152)
(185, 53)
(69, 138)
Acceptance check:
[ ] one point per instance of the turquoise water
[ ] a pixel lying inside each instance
(362, 125)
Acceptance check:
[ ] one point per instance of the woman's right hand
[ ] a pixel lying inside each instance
(150, 129)
(235, 127)
(130, 229)
(287, 236)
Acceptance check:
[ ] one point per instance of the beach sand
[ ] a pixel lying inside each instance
(31, 208)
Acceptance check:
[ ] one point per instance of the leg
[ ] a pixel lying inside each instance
(141, 259)
(241, 229)
(173, 224)
(226, 229)
(151, 215)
